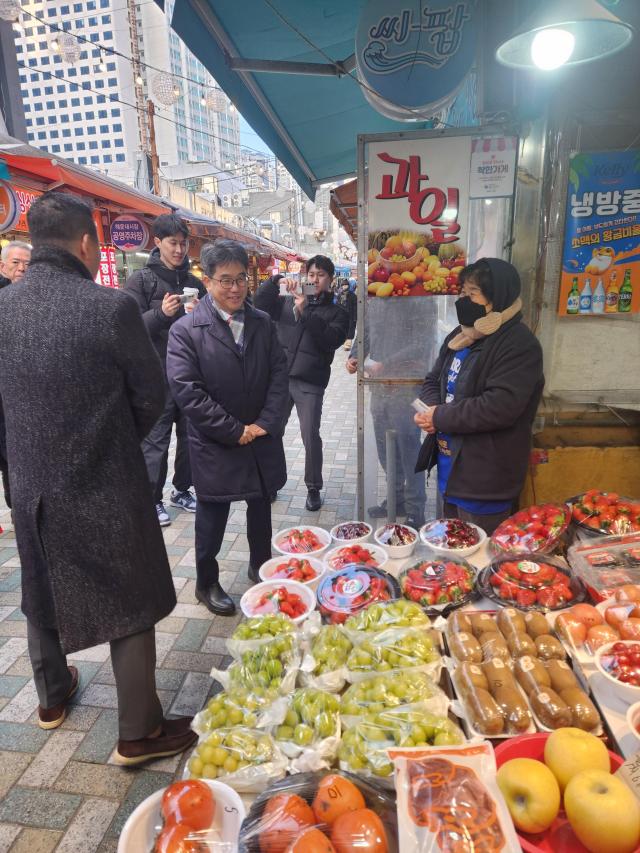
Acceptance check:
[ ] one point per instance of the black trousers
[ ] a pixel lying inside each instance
(211, 522)
(155, 448)
(133, 660)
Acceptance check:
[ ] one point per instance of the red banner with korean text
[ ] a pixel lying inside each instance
(108, 271)
(418, 207)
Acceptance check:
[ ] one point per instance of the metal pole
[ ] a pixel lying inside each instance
(390, 439)
(155, 160)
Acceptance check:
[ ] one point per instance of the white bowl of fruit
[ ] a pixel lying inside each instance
(308, 541)
(373, 556)
(351, 532)
(619, 663)
(293, 599)
(398, 540)
(192, 811)
(306, 570)
(451, 536)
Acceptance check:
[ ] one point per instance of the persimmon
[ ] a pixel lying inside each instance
(190, 802)
(360, 831)
(311, 841)
(284, 818)
(335, 796)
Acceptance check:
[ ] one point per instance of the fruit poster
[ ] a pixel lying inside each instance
(418, 209)
(601, 255)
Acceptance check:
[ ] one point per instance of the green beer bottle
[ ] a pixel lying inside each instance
(626, 293)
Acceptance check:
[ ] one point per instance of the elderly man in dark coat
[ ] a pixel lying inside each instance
(228, 373)
(81, 385)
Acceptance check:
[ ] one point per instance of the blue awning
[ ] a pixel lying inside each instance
(309, 122)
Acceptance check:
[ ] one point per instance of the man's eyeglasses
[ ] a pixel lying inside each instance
(227, 283)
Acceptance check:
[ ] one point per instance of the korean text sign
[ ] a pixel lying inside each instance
(418, 205)
(601, 253)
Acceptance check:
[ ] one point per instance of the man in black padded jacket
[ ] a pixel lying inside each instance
(157, 289)
(310, 328)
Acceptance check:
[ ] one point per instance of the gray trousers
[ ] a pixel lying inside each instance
(308, 403)
(133, 660)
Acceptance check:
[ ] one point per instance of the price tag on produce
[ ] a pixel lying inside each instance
(630, 773)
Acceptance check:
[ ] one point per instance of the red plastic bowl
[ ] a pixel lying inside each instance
(559, 838)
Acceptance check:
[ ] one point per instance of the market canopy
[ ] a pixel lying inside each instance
(21, 157)
(309, 119)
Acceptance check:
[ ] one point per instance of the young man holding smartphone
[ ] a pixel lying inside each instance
(159, 291)
(311, 328)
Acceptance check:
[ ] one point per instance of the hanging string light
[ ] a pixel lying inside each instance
(9, 10)
(216, 99)
(68, 47)
(102, 65)
(139, 80)
(165, 89)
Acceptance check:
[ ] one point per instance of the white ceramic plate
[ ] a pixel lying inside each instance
(140, 830)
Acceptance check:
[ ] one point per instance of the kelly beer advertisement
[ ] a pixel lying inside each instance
(601, 255)
(418, 193)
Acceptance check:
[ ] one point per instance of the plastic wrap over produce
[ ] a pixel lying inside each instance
(448, 799)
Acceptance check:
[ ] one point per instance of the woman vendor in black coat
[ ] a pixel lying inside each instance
(482, 394)
(228, 373)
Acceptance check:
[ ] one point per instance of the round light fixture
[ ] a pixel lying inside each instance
(165, 89)
(216, 100)
(9, 10)
(565, 32)
(69, 47)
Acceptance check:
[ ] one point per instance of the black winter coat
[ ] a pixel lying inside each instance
(497, 395)
(221, 390)
(149, 286)
(81, 385)
(309, 342)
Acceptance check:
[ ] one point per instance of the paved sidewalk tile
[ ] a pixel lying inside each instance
(36, 841)
(88, 826)
(52, 759)
(48, 809)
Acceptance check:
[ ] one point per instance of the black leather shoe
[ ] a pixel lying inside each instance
(216, 600)
(314, 501)
(381, 510)
(254, 577)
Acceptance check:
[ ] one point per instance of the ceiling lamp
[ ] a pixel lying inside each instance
(565, 32)
(9, 10)
(165, 89)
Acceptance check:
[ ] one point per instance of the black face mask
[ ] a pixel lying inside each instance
(468, 311)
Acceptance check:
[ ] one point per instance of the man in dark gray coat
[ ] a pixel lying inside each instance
(228, 374)
(80, 385)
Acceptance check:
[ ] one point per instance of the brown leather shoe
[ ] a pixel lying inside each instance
(176, 736)
(51, 718)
